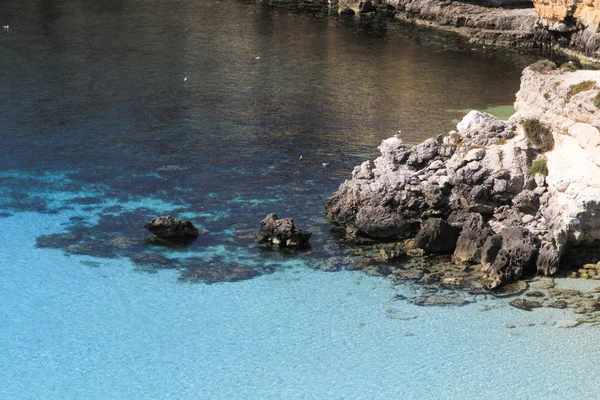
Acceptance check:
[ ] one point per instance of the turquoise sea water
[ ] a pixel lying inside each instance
(100, 132)
(81, 327)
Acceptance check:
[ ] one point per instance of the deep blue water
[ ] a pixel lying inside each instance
(101, 132)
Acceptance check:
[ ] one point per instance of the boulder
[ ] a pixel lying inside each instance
(436, 236)
(169, 228)
(281, 233)
(524, 304)
(472, 238)
(516, 256)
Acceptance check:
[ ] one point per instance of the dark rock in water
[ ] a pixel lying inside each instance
(436, 236)
(472, 238)
(524, 304)
(438, 301)
(490, 249)
(366, 7)
(548, 259)
(281, 233)
(511, 289)
(515, 257)
(379, 222)
(169, 228)
(196, 271)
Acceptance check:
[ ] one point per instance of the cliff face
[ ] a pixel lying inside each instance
(570, 12)
(569, 24)
(518, 192)
(566, 102)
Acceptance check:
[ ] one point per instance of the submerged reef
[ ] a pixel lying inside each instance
(506, 199)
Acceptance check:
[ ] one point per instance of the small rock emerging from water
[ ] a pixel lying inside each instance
(281, 233)
(167, 227)
(525, 304)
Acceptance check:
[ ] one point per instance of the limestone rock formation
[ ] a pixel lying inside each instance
(567, 24)
(281, 233)
(487, 180)
(169, 228)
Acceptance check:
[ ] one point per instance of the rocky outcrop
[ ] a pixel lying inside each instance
(169, 228)
(486, 179)
(570, 25)
(436, 236)
(281, 233)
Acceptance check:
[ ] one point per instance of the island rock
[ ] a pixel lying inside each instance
(281, 233)
(169, 228)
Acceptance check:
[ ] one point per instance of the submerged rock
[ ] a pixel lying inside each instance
(525, 304)
(169, 228)
(197, 271)
(438, 301)
(281, 233)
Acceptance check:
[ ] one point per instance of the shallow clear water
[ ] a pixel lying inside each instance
(100, 132)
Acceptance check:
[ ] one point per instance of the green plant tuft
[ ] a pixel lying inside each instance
(569, 67)
(543, 66)
(539, 166)
(538, 134)
(597, 100)
(580, 87)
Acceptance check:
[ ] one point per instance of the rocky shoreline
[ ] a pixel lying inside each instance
(568, 28)
(506, 200)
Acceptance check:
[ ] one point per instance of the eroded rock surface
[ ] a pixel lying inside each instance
(167, 227)
(480, 181)
(281, 233)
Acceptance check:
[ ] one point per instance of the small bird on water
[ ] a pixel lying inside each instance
(6, 26)
(300, 158)
(185, 79)
(325, 164)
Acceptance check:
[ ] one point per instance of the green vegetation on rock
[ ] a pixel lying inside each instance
(597, 100)
(539, 166)
(538, 134)
(580, 87)
(569, 67)
(543, 66)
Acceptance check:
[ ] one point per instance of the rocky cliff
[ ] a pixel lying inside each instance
(571, 25)
(510, 196)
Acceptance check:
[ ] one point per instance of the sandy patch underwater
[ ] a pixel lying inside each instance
(79, 327)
